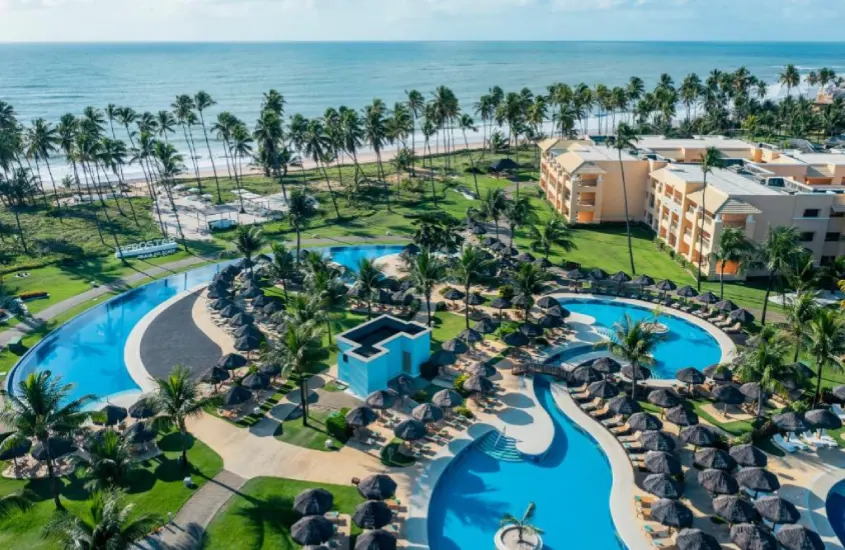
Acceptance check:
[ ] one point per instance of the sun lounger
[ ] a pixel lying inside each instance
(614, 422)
(838, 411)
(818, 440)
(644, 502)
(788, 446)
(737, 328)
(633, 448)
(656, 533)
(591, 406)
(628, 438)
(599, 412)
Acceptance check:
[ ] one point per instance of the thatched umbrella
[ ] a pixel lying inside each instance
(729, 395)
(247, 343)
(481, 369)
(558, 311)
(657, 441)
(410, 430)
(690, 376)
(777, 510)
(758, 479)
(272, 308)
(247, 330)
(232, 361)
(500, 304)
(229, 311)
(270, 369)
(455, 345)
(526, 257)
(219, 304)
(141, 432)
(607, 365)
(508, 251)
(748, 455)
(664, 398)
(752, 390)
(381, 399)
(603, 389)
(666, 286)
(453, 294)
(823, 419)
(699, 435)
(470, 336)
(402, 384)
(216, 375)
(623, 405)
(515, 339)
(313, 502)
(719, 373)
(447, 399)
(687, 291)
(543, 263)
(597, 274)
(798, 537)
(360, 417)
(643, 421)
(377, 487)
(724, 305)
(312, 530)
(575, 275)
(252, 291)
(741, 315)
(378, 539)
(58, 446)
(707, 298)
(489, 241)
(475, 299)
(642, 373)
(696, 539)
(261, 301)
(427, 413)
(485, 326)
(110, 415)
(663, 486)
(719, 482)
(643, 281)
(713, 458)
(256, 381)
(734, 509)
(682, 416)
(443, 358)
(531, 330)
(478, 384)
(620, 278)
(671, 513)
(17, 451)
(372, 514)
(550, 321)
(142, 408)
(660, 462)
(839, 392)
(790, 422)
(586, 374)
(749, 536)
(236, 395)
(547, 302)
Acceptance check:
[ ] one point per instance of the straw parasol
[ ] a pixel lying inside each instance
(481, 369)
(728, 394)
(475, 299)
(623, 405)
(742, 315)
(247, 330)
(525, 257)
(719, 373)
(666, 286)
(696, 539)
(531, 330)
(485, 326)
(585, 374)
(550, 321)
(453, 294)
(823, 419)
(236, 395)
(313, 502)
(719, 482)
(478, 384)
(58, 446)
(777, 510)
(690, 376)
(219, 304)
(643, 281)
(247, 343)
(643, 421)
(558, 311)
(758, 479)
(229, 311)
(790, 422)
(687, 291)
(664, 398)
(381, 399)
(270, 369)
(360, 417)
(427, 413)
(312, 530)
(410, 430)
(110, 415)
(734, 509)
(707, 298)
(142, 408)
(140, 432)
(752, 390)
(402, 384)
(643, 373)
(509, 251)
(500, 304)
(377, 487)
(272, 308)
(663, 486)
(671, 513)
(17, 451)
(232, 361)
(699, 435)
(752, 537)
(660, 462)
(597, 274)
(839, 392)
(657, 441)
(543, 263)
(216, 375)
(748, 455)
(713, 458)
(455, 345)
(255, 381)
(547, 302)
(447, 398)
(603, 389)
(682, 416)
(798, 537)
(574, 274)
(724, 305)
(443, 358)
(372, 514)
(607, 365)
(378, 539)
(470, 336)
(489, 241)
(515, 339)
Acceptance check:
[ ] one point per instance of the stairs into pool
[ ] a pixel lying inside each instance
(500, 447)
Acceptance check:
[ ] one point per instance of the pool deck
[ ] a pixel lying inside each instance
(814, 509)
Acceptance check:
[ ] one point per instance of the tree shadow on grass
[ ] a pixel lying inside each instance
(140, 480)
(271, 516)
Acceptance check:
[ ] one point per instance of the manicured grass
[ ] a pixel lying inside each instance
(156, 488)
(259, 517)
(446, 326)
(312, 436)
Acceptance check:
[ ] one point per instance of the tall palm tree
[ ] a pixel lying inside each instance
(203, 101)
(183, 112)
(553, 232)
(269, 135)
(318, 146)
(353, 136)
(466, 123)
(298, 352)
(825, 342)
(108, 460)
(241, 149)
(43, 141)
(375, 130)
(416, 104)
(523, 524)
(710, 160)
(300, 211)
(226, 122)
(529, 280)
(733, 247)
(165, 124)
(634, 341)
(519, 212)
(248, 241)
(282, 265)
(112, 526)
(762, 361)
(176, 399)
(625, 139)
(781, 246)
(42, 408)
(368, 279)
(15, 191)
(790, 77)
(468, 268)
(493, 206)
(800, 310)
(425, 271)
(169, 165)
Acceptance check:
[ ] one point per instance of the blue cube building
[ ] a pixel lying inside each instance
(373, 353)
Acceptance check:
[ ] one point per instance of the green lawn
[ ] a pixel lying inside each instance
(156, 488)
(260, 515)
(313, 436)
(446, 326)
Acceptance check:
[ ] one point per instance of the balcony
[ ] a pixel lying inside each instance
(588, 183)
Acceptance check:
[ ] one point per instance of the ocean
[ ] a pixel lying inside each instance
(48, 80)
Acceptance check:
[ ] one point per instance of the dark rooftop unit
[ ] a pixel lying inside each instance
(370, 334)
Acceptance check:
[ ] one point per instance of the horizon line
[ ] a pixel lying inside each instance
(419, 41)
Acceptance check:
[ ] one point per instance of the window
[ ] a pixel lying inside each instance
(835, 214)
(807, 236)
(831, 237)
(811, 213)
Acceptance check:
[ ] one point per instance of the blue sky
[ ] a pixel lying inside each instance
(244, 20)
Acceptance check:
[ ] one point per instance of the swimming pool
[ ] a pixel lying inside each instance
(88, 350)
(835, 508)
(686, 344)
(570, 486)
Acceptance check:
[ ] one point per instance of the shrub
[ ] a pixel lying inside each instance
(440, 306)
(33, 295)
(459, 385)
(507, 327)
(336, 425)
(463, 411)
(672, 253)
(507, 292)
(420, 396)
(443, 290)
(429, 370)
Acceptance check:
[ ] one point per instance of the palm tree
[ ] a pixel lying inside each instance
(529, 280)
(183, 112)
(107, 462)
(780, 248)
(241, 148)
(318, 146)
(710, 160)
(248, 241)
(375, 131)
(15, 191)
(43, 141)
(425, 271)
(176, 399)
(553, 232)
(202, 101)
(367, 279)
(298, 352)
(112, 526)
(519, 212)
(468, 268)
(353, 136)
(790, 77)
(493, 206)
(523, 525)
(165, 124)
(762, 361)
(825, 342)
(169, 165)
(733, 247)
(269, 135)
(282, 265)
(466, 123)
(41, 408)
(800, 310)
(634, 341)
(300, 211)
(625, 138)
(416, 104)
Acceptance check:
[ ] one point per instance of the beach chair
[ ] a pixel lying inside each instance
(614, 422)
(838, 411)
(819, 440)
(629, 438)
(785, 445)
(656, 533)
(599, 412)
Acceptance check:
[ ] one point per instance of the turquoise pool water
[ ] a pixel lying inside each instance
(88, 351)
(570, 486)
(835, 507)
(686, 344)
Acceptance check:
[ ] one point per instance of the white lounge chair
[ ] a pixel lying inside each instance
(838, 411)
(818, 440)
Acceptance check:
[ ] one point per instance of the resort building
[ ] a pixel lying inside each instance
(760, 187)
(373, 353)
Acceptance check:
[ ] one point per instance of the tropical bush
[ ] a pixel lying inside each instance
(336, 425)
(459, 385)
(463, 411)
(506, 291)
